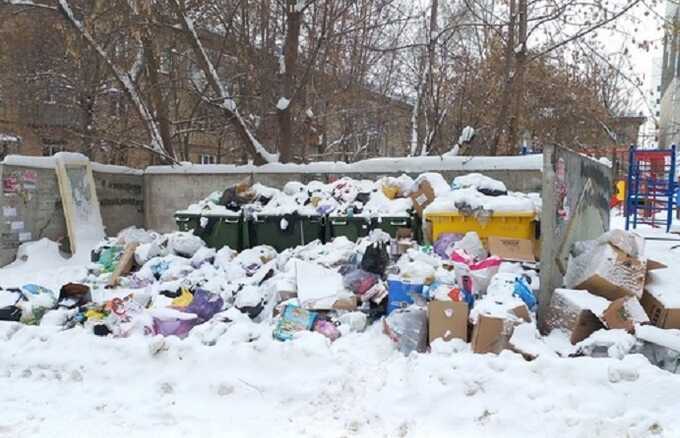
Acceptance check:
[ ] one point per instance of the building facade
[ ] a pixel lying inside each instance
(669, 108)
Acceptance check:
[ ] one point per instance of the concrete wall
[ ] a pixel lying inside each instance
(31, 206)
(166, 193)
(31, 209)
(669, 119)
(576, 195)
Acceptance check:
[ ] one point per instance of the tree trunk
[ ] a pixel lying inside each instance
(160, 107)
(506, 97)
(291, 50)
(519, 76)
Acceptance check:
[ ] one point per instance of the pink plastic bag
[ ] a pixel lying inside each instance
(326, 328)
(479, 272)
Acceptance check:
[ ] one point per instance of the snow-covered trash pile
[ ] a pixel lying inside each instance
(388, 196)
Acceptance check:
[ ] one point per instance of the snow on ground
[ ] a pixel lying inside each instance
(71, 383)
(233, 379)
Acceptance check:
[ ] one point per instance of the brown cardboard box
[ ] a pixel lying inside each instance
(659, 314)
(624, 313)
(447, 320)
(350, 304)
(577, 312)
(608, 272)
(492, 334)
(423, 197)
(513, 250)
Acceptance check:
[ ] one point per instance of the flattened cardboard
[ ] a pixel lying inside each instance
(125, 263)
(492, 334)
(617, 315)
(655, 264)
(513, 250)
(447, 320)
(423, 197)
(659, 315)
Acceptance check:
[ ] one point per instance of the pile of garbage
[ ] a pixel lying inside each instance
(151, 284)
(388, 196)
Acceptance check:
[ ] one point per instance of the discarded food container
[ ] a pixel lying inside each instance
(519, 225)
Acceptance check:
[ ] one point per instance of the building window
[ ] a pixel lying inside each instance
(50, 149)
(208, 159)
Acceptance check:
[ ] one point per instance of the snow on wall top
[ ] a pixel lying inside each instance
(51, 163)
(405, 164)
(397, 165)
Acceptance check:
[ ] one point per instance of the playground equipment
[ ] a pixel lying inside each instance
(651, 187)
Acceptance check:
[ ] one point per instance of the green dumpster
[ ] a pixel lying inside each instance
(283, 231)
(390, 224)
(187, 221)
(224, 229)
(352, 227)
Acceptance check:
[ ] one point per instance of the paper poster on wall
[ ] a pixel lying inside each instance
(24, 237)
(10, 184)
(79, 199)
(9, 211)
(30, 180)
(17, 226)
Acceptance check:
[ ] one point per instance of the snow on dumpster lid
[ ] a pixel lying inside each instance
(396, 165)
(450, 202)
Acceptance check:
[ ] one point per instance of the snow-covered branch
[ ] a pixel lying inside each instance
(224, 100)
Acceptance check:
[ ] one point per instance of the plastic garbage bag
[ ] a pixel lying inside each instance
(108, 258)
(185, 244)
(376, 258)
(359, 281)
(444, 244)
(472, 245)
(327, 328)
(524, 292)
(479, 273)
(205, 305)
(74, 295)
(408, 329)
(173, 327)
(36, 301)
(183, 299)
(293, 319)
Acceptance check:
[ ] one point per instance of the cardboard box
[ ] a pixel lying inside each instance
(447, 320)
(608, 272)
(576, 312)
(512, 250)
(492, 334)
(349, 303)
(660, 314)
(624, 313)
(403, 241)
(423, 197)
